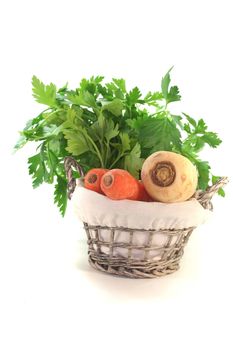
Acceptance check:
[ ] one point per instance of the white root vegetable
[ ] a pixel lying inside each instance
(169, 177)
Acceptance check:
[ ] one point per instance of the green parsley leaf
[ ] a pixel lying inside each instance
(165, 83)
(76, 141)
(20, 143)
(221, 191)
(212, 139)
(152, 98)
(110, 130)
(125, 141)
(60, 194)
(133, 96)
(203, 168)
(37, 169)
(178, 120)
(45, 94)
(85, 98)
(171, 95)
(201, 127)
(120, 83)
(160, 133)
(190, 120)
(133, 161)
(115, 107)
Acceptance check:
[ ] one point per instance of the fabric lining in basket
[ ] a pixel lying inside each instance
(97, 209)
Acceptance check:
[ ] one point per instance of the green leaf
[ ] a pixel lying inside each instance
(90, 85)
(221, 191)
(60, 194)
(51, 131)
(76, 141)
(165, 83)
(115, 107)
(152, 98)
(160, 134)
(139, 122)
(96, 80)
(36, 169)
(178, 120)
(125, 141)
(63, 89)
(110, 130)
(52, 162)
(106, 93)
(85, 98)
(190, 120)
(187, 128)
(55, 145)
(113, 90)
(212, 139)
(73, 118)
(199, 135)
(20, 143)
(29, 131)
(215, 179)
(201, 127)
(45, 94)
(203, 168)
(133, 96)
(173, 94)
(199, 144)
(120, 83)
(133, 162)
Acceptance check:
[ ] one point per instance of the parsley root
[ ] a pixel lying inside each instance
(92, 179)
(119, 184)
(169, 177)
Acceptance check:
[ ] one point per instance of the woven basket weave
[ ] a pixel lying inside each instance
(155, 260)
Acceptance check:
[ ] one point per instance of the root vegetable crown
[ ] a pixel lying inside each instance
(92, 178)
(108, 180)
(163, 174)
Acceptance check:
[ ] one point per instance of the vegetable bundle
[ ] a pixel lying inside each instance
(103, 125)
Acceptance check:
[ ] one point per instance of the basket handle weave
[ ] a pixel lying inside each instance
(69, 164)
(204, 197)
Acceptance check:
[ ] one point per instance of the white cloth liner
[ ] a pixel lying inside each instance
(96, 209)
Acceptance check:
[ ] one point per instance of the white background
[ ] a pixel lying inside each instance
(49, 296)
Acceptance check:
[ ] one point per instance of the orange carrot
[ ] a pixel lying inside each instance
(120, 184)
(143, 195)
(93, 178)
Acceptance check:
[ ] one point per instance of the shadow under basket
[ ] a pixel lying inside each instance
(117, 250)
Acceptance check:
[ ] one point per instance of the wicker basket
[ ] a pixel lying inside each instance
(103, 253)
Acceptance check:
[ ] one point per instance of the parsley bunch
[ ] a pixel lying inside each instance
(105, 125)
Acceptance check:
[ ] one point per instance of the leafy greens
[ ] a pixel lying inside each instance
(105, 125)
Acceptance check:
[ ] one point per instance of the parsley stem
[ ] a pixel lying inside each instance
(116, 160)
(49, 116)
(97, 152)
(106, 154)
